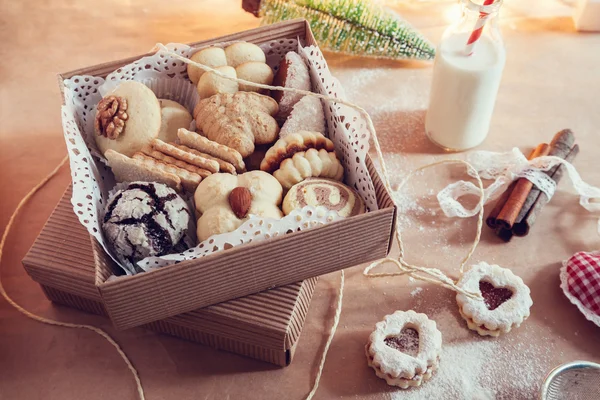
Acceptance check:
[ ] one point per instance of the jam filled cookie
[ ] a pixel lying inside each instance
(506, 299)
(404, 349)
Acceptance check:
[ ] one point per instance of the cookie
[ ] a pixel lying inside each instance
(238, 120)
(127, 169)
(189, 175)
(307, 164)
(145, 219)
(287, 146)
(211, 56)
(306, 115)
(224, 201)
(506, 299)
(202, 144)
(184, 155)
(127, 119)
(404, 349)
(224, 166)
(172, 116)
(254, 71)
(210, 83)
(243, 52)
(333, 195)
(292, 73)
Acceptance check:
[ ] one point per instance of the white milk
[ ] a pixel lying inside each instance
(463, 92)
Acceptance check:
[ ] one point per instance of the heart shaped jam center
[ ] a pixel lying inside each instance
(406, 342)
(493, 296)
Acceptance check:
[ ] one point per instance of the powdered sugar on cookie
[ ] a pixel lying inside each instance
(506, 303)
(404, 348)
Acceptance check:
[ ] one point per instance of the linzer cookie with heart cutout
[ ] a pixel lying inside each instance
(505, 302)
(404, 349)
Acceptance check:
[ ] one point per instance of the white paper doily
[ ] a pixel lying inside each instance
(167, 77)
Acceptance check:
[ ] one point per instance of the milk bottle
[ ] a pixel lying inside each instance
(466, 78)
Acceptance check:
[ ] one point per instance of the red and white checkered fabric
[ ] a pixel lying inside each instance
(580, 277)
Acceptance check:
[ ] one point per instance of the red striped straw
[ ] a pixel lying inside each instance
(478, 29)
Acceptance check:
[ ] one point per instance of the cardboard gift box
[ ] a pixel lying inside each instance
(246, 269)
(265, 326)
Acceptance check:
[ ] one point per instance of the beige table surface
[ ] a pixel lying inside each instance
(551, 81)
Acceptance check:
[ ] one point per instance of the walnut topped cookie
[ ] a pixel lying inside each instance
(127, 119)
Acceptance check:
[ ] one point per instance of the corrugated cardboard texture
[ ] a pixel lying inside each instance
(253, 267)
(265, 325)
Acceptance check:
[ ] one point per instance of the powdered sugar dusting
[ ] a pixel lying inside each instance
(397, 363)
(476, 368)
(508, 314)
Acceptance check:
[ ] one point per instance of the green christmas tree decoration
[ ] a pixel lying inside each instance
(356, 27)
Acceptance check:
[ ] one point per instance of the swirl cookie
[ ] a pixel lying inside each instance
(404, 349)
(331, 194)
(506, 299)
(306, 164)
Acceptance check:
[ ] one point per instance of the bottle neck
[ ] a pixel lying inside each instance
(475, 13)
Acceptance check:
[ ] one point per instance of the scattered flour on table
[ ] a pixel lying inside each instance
(416, 291)
(476, 368)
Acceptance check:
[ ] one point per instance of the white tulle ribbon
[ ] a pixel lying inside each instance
(506, 167)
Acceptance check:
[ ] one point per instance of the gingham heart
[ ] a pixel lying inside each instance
(580, 281)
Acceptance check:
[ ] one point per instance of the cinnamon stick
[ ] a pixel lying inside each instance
(560, 146)
(493, 215)
(491, 219)
(504, 234)
(522, 228)
(509, 213)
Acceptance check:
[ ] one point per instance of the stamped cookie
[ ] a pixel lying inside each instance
(127, 119)
(506, 299)
(328, 193)
(238, 120)
(404, 349)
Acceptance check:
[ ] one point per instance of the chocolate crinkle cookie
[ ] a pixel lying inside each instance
(145, 219)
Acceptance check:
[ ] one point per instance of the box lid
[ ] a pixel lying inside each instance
(61, 257)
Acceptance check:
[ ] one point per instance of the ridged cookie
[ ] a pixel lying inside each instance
(307, 164)
(291, 144)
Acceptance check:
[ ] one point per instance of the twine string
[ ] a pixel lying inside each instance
(48, 321)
